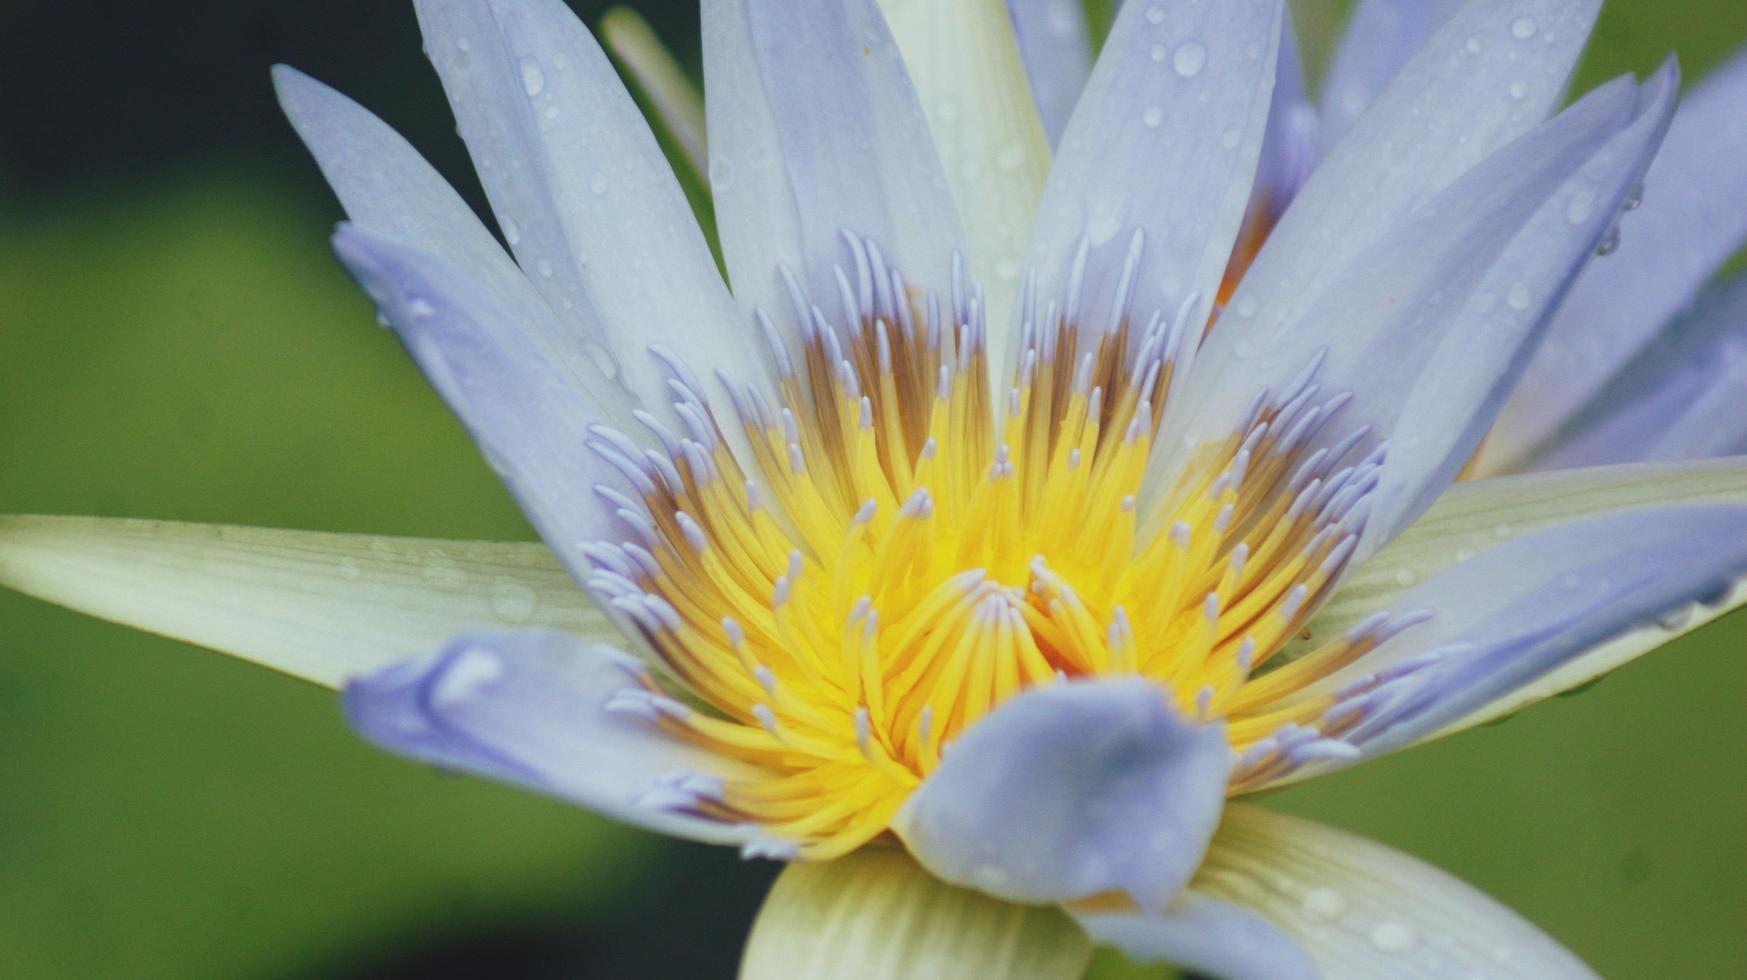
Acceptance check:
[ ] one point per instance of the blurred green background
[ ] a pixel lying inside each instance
(175, 341)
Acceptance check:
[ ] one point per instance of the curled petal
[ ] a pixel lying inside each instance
(1073, 790)
(533, 708)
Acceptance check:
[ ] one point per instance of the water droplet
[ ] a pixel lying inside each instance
(533, 79)
(1634, 197)
(512, 232)
(1519, 297)
(544, 268)
(1246, 305)
(1406, 577)
(350, 570)
(597, 184)
(1153, 116)
(1519, 89)
(946, 109)
(1009, 157)
(1158, 52)
(441, 571)
(420, 309)
(551, 112)
(1324, 904)
(1523, 28)
(1155, 14)
(1231, 138)
(1189, 58)
(1391, 936)
(1473, 45)
(512, 601)
(1610, 241)
(462, 44)
(1007, 269)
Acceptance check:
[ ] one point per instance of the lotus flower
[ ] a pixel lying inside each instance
(1068, 459)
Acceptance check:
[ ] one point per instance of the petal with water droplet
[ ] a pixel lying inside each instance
(1513, 614)
(531, 707)
(319, 606)
(966, 66)
(1072, 790)
(1694, 216)
(1358, 909)
(795, 165)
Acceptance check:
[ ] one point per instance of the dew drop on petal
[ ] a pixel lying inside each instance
(1324, 904)
(1155, 14)
(350, 569)
(441, 572)
(513, 602)
(1158, 52)
(1473, 45)
(1519, 297)
(597, 183)
(1406, 577)
(1246, 305)
(1189, 58)
(1009, 157)
(544, 268)
(533, 79)
(1519, 89)
(1153, 116)
(1391, 936)
(1523, 28)
(512, 232)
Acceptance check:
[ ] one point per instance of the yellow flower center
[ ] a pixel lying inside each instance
(909, 550)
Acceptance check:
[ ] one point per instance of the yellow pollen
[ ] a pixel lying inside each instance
(905, 550)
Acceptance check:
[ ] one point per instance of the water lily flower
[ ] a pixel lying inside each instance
(1019, 507)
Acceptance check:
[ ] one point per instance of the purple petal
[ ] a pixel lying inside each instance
(1057, 50)
(1428, 328)
(816, 129)
(1380, 37)
(1516, 612)
(1160, 158)
(1070, 791)
(1680, 399)
(530, 707)
(585, 196)
(532, 426)
(1694, 216)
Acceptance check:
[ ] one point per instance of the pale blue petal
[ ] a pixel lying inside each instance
(532, 426)
(1362, 911)
(1680, 399)
(531, 708)
(815, 129)
(389, 190)
(1485, 348)
(1057, 49)
(1514, 613)
(1694, 216)
(1160, 156)
(1289, 151)
(1073, 790)
(586, 199)
(1427, 330)
(1379, 38)
(1205, 934)
(1448, 109)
